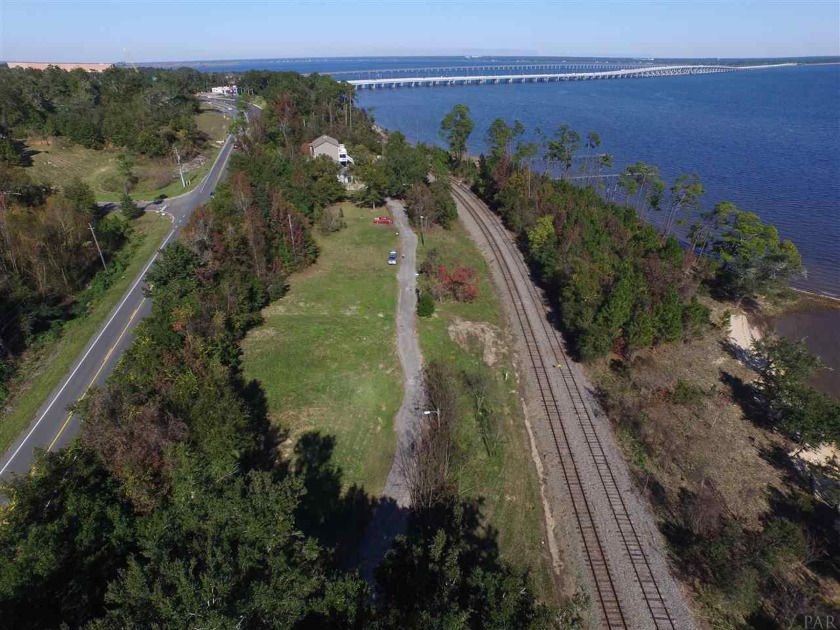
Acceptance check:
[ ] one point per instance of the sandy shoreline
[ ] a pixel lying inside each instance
(742, 333)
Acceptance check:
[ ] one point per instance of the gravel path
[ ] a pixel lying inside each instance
(575, 435)
(390, 516)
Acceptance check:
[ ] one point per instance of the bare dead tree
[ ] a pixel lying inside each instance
(427, 463)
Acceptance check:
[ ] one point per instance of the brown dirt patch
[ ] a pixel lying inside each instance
(706, 441)
(466, 333)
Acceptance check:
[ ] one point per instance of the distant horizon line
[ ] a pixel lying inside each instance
(314, 58)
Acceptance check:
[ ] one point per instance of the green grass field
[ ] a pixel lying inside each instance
(470, 337)
(326, 359)
(56, 161)
(42, 370)
(326, 354)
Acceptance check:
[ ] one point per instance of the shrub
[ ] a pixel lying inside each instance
(695, 319)
(686, 394)
(425, 304)
(461, 285)
(431, 262)
(5, 375)
(129, 207)
(331, 220)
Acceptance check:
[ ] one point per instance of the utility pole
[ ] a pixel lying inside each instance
(292, 235)
(99, 249)
(180, 168)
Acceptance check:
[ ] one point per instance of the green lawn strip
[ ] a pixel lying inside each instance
(44, 368)
(326, 353)
(60, 162)
(214, 123)
(505, 479)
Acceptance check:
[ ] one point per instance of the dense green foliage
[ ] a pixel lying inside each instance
(444, 575)
(753, 259)
(172, 436)
(417, 174)
(456, 128)
(748, 568)
(618, 283)
(425, 304)
(797, 406)
(301, 108)
(429, 204)
(148, 111)
(47, 256)
(129, 208)
(394, 173)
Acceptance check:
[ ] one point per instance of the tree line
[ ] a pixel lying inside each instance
(302, 107)
(48, 257)
(146, 110)
(620, 284)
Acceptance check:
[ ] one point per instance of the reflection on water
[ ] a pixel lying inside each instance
(821, 331)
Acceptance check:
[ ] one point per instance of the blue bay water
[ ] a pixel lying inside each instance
(767, 140)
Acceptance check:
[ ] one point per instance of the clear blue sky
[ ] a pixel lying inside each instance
(84, 30)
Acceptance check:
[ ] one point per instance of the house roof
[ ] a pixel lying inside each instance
(317, 142)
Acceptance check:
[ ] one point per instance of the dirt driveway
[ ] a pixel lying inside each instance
(390, 516)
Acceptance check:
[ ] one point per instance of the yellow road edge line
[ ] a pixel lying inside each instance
(98, 372)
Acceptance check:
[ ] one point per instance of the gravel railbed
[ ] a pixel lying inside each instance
(591, 466)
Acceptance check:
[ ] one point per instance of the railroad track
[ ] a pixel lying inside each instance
(562, 409)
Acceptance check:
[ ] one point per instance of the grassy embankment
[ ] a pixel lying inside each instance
(56, 161)
(495, 460)
(326, 354)
(44, 365)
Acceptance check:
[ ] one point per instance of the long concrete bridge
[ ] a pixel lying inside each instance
(627, 73)
(577, 66)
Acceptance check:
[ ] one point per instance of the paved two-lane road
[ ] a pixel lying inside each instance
(54, 425)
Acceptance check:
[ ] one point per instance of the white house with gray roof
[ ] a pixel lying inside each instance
(332, 148)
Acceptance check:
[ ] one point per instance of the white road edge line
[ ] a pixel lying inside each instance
(82, 360)
(104, 328)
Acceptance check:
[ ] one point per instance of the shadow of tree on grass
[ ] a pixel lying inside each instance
(336, 517)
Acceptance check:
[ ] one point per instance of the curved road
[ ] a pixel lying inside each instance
(54, 426)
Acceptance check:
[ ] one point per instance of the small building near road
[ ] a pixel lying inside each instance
(332, 148)
(230, 90)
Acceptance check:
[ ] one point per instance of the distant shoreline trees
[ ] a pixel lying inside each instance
(621, 286)
(147, 111)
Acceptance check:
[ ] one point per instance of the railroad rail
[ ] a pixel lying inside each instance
(563, 409)
(491, 79)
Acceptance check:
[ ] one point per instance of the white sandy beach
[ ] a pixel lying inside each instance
(741, 332)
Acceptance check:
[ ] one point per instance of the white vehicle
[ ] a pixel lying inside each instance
(392, 258)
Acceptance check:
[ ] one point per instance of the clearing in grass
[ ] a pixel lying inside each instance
(326, 353)
(58, 161)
